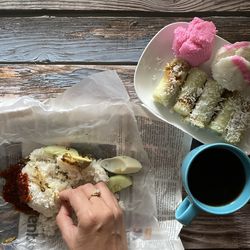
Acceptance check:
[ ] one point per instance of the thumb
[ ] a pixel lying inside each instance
(65, 222)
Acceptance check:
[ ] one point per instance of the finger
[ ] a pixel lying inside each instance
(64, 221)
(76, 198)
(112, 203)
(89, 189)
(99, 214)
(107, 196)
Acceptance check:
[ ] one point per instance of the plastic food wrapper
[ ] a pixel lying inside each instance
(95, 117)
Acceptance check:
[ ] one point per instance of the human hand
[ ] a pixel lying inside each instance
(99, 219)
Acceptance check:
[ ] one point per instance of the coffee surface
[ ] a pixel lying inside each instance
(216, 177)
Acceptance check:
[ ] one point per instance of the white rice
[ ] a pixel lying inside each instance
(47, 179)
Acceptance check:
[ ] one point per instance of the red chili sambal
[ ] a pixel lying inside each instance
(16, 188)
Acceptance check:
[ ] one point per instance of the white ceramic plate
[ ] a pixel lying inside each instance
(149, 71)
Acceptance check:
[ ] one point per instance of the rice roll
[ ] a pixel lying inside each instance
(205, 106)
(238, 122)
(228, 107)
(174, 76)
(190, 91)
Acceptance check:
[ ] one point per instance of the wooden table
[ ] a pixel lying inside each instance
(47, 46)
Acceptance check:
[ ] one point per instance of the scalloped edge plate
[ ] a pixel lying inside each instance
(149, 71)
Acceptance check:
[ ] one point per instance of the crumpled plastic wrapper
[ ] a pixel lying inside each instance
(94, 117)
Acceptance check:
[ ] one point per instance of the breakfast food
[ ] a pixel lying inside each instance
(194, 43)
(238, 122)
(190, 91)
(174, 75)
(205, 106)
(219, 102)
(118, 182)
(226, 109)
(204, 103)
(49, 173)
(48, 170)
(121, 165)
(231, 67)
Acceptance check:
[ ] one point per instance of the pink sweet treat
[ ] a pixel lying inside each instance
(231, 67)
(194, 43)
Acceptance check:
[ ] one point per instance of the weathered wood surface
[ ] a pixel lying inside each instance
(214, 232)
(47, 81)
(139, 5)
(93, 39)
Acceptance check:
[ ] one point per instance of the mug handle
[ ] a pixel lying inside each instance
(186, 212)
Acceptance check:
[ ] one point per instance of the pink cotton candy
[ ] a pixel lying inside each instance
(194, 43)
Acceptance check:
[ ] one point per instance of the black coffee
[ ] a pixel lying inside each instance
(216, 177)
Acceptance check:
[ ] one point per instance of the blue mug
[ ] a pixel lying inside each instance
(198, 181)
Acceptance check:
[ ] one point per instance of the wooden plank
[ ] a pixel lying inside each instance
(47, 81)
(93, 39)
(228, 232)
(139, 5)
(217, 232)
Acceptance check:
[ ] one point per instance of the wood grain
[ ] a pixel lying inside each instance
(214, 232)
(139, 5)
(47, 81)
(93, 39)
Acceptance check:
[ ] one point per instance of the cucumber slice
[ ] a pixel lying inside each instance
(118, 182)
(121, 165)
